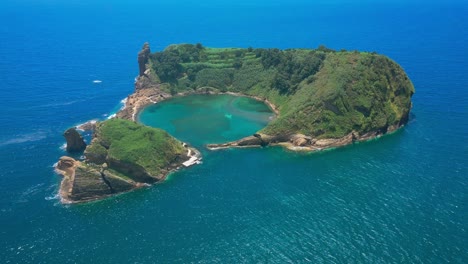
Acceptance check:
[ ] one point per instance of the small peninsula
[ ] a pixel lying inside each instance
(122, 156)
(322, 98)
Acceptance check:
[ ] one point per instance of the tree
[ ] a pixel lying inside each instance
(237, 64)
(325, 49)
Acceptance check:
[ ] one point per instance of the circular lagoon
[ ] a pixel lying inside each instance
(203, 119)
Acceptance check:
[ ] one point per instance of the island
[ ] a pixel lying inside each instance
(322, 98)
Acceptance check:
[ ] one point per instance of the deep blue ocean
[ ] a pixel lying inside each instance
(398, 199)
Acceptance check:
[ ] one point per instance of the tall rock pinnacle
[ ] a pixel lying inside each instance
(75, 142)
(143, 56)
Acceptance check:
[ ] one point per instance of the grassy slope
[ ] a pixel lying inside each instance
(321, 93)
(132, 143)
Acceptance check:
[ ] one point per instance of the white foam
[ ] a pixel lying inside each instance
(63, 146)
(122, 106)
(25, 138)
(29, 193)
(79, 127)
(97, 81)
(53, 197)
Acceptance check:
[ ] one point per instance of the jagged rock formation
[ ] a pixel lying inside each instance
(123, 156)
(75, 142)
(298, 141)
(84, 182)
(143, 57)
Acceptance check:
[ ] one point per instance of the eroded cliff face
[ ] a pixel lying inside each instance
(84, 182)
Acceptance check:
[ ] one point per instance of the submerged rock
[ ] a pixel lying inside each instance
(75, 142)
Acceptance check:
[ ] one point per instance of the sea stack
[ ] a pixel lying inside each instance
(75, 142)
(143, 57)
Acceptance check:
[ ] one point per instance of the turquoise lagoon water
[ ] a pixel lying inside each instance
(205, 119)
(399, 199)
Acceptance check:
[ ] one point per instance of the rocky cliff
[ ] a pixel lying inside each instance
(123, 156)
(75, 142)
(322, 98)
(143, 57)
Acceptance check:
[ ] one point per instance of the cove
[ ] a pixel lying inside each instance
(203, 119)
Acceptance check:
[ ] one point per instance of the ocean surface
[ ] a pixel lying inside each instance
(399, 199)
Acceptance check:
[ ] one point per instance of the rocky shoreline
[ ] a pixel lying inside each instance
(83, 181)
(300, 142)
(103, 173)
(147, 93)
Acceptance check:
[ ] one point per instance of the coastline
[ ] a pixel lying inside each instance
(293, 145)
(95, 182)
(147, 94)
(67, 168)
(144, 97)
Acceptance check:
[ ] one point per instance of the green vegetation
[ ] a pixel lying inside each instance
(321, 92)
(135, 145)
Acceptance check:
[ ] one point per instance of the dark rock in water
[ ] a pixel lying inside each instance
(143, 57)
(75, 142)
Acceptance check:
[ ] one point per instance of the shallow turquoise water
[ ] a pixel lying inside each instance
(204, 119)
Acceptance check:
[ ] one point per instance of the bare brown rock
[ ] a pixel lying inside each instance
(300, 140)
(66, 164)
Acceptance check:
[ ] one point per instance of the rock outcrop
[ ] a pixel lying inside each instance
(122, 156)
(143, 57)
(296, 141)
(146, 93)
(83, 182)
(88, 126)
(75, 142)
